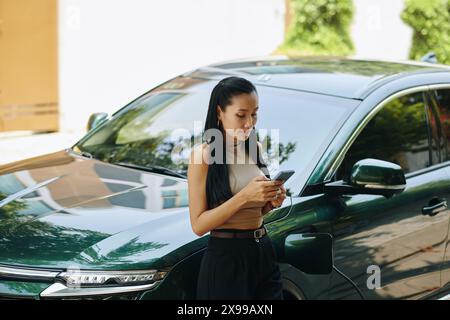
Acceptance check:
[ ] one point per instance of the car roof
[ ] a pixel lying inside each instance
(336, 76)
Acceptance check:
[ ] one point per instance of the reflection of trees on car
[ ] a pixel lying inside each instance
(9, 209)
(129, 249)
(58, 241)
(55, 239)
(284, 149)
(151, 151)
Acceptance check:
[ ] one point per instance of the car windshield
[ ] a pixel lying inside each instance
(158, 130)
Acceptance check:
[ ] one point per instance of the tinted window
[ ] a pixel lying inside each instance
(397, 133)
(443, 101)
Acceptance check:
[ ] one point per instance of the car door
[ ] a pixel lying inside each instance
(393, 248)
(441, 102)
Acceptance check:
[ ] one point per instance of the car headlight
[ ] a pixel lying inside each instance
(89, 283)
(102, 278)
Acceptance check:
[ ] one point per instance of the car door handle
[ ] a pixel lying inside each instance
(435, 206)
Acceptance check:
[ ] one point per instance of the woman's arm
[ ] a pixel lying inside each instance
(203, 220)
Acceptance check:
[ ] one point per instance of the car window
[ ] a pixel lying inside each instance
(442, 97)
(397, 133)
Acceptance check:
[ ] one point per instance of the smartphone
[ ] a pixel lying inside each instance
(283, 175)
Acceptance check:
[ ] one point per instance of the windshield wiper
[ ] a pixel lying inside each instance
(153, 168)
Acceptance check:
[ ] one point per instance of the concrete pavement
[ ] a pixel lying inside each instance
(20, 145)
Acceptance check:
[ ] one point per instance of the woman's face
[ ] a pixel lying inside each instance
(240, 116)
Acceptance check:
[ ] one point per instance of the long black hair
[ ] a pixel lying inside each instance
(218, 188)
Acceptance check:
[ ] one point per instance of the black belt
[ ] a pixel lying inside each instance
(253, 234)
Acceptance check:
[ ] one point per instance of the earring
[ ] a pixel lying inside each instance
(218, 124)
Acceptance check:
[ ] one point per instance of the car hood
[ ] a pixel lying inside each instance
(65, 211)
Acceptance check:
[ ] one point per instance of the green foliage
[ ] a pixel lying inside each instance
(11, 208)
(430, 20)
(319, 27)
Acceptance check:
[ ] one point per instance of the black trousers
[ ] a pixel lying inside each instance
(239, 269)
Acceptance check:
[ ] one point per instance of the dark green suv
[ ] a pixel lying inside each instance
(366, 214)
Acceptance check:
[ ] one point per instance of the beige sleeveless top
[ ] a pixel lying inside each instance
(241, 171)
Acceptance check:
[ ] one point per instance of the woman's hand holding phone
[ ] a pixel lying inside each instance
(260, 190)
(279, 198)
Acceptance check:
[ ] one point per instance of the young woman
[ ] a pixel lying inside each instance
(229, 192)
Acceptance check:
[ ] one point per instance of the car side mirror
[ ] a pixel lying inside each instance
(96, 119)
(310, 252)
(371, 176)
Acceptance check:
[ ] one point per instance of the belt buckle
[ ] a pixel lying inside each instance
(258, 233)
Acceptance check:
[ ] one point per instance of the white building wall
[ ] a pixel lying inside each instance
(378, 31)
(111, 51)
